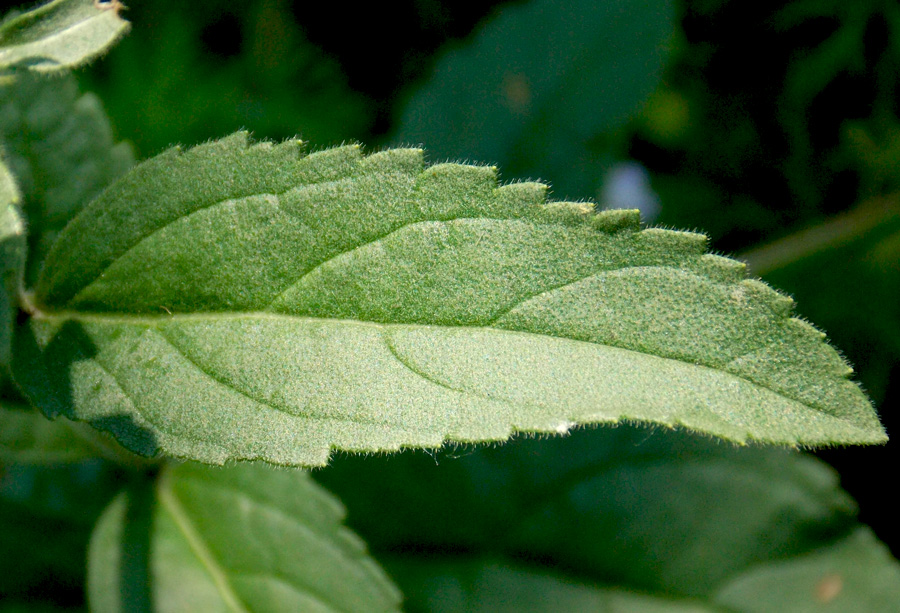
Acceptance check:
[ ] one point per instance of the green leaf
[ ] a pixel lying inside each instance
(12, 259)
(60, 34)
(495, 587)
(248, 302)
(246, 537)
(27, 437)
(855, 574)
(60, 148)
(540, 105)
(676, 517)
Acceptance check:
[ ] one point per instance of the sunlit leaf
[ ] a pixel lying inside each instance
(239, 301)
(12, 259)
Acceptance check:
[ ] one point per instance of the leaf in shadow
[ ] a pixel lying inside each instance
(675, 517)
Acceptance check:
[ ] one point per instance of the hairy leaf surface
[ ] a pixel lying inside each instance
(60, 148)
(12, 259)
(677, 517)
(60, 34)
(239, 301)
(243, 538)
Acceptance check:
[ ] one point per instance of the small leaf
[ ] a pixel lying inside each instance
(60, 149)
(540, 85)
(246, 537)
(677, 517)
(60, 34)
(12, 259)
(249, 302)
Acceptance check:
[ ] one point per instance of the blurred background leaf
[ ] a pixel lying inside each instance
(47, 513)
(544, 105)
(196, 71)
(650, 511)
(59, 146)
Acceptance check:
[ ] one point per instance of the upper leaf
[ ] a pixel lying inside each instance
(244, 302)
(60, 34)
(247, 537)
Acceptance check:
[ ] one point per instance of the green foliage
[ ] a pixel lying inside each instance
(60, 35)
(184, 92)
(48, 513)
(242, 300)
(60, 148)
(846, 273)
(542, 106)
(683, 521)
(305, 301)
(246, 537)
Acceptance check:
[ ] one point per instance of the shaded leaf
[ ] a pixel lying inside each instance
(855, 574)
(12, 259)
(249, 302)
(539, 84)
(27, 437)
(47, 514)
(245, 537)
(60, 148)
(487, 586)
(666, 515)
(60, 34)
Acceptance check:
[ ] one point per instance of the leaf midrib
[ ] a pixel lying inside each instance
(171, 504)
(307, 588)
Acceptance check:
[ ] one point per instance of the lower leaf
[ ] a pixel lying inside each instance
(245, 537)
(667, 515)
